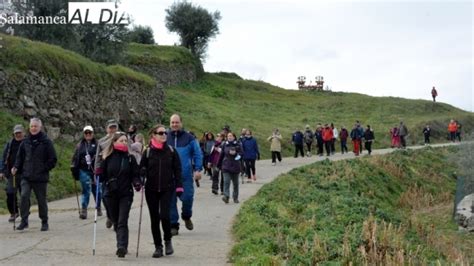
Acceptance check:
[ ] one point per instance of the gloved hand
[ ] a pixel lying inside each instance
(137, 186)
(75, 173)
(179, 191)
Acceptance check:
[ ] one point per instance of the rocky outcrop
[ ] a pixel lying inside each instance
(67, 104)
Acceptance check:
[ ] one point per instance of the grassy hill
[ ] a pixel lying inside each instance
(217, 99)
(224, 98)
(384, 210)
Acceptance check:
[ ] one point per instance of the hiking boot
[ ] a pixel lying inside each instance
(108, 223)
(254, 177)
(225, 199)
(158, 252)
(22, 225)
(174, 231)
(168, 248)
(121, 252)
(189, 224)
(249, 180)
(273, 164)
(13, 217)
(99, 212)
(83, 214)
(236, 201)
(44, 227)
(214, 191)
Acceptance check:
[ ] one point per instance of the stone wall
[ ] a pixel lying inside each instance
(169, 75)
(66, 105)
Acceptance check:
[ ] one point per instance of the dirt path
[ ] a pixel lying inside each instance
(69, 240)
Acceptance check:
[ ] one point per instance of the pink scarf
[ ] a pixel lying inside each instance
(121, 147)
(156, 144)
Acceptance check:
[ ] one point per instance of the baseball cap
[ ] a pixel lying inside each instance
(18, 128)
(88, 128)
(111, 123)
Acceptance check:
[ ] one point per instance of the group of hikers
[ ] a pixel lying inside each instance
(168, 166)
(325, 137)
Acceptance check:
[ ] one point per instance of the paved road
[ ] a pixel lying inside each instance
(69, 240)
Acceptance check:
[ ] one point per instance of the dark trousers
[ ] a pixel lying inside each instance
(12, 191)
(368, 146)
(333, 146)
(452, 136)
(159, 207)
(234, 178)
(40, 193)
(327, 144)
(118, 209)
(343, 145)
(308, 146)
(427, 139)
(249, 168)
(403, 141)
(299, 148)
(215, 179)
(320, 148)
(275, 155)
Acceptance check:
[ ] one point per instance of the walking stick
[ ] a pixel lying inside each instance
(97, 185)
(77, 197)
(140, 220)
(14, 203)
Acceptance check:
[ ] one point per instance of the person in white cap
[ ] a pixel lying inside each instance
(6, 164)
(82, 167)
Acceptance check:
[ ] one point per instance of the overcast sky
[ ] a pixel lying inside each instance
(380, 48)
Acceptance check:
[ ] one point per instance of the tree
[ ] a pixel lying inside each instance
(194, 25)
(141, 34)
(103, 43)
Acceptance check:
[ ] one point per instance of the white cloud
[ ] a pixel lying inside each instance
(400, 48)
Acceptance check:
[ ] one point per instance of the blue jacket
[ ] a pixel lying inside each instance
(297, 138)
(188, 150)
(250, 149)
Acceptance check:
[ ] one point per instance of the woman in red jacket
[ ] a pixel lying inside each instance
(327, 138)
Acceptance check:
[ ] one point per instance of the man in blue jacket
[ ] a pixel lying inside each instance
(190, 156)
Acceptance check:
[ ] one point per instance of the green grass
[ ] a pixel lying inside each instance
(19, 55)
(147, 54)
(224, 98)
(328, 212)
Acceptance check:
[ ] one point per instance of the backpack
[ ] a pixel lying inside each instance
(308, 136)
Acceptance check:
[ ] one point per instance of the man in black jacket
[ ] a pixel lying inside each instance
(36, 157)
(6, 164)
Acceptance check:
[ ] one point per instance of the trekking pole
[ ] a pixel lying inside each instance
(77, 197)
(97, 206)
(140, 220)
(14, 203)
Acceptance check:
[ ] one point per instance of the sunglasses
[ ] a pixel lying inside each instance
(161, 133)
(88, 132)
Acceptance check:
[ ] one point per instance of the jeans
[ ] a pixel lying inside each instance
(228, 177)
(118, 209)
(343, 146)
(40, 193)
(85, 178)
(159, 207)
(186, 198)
